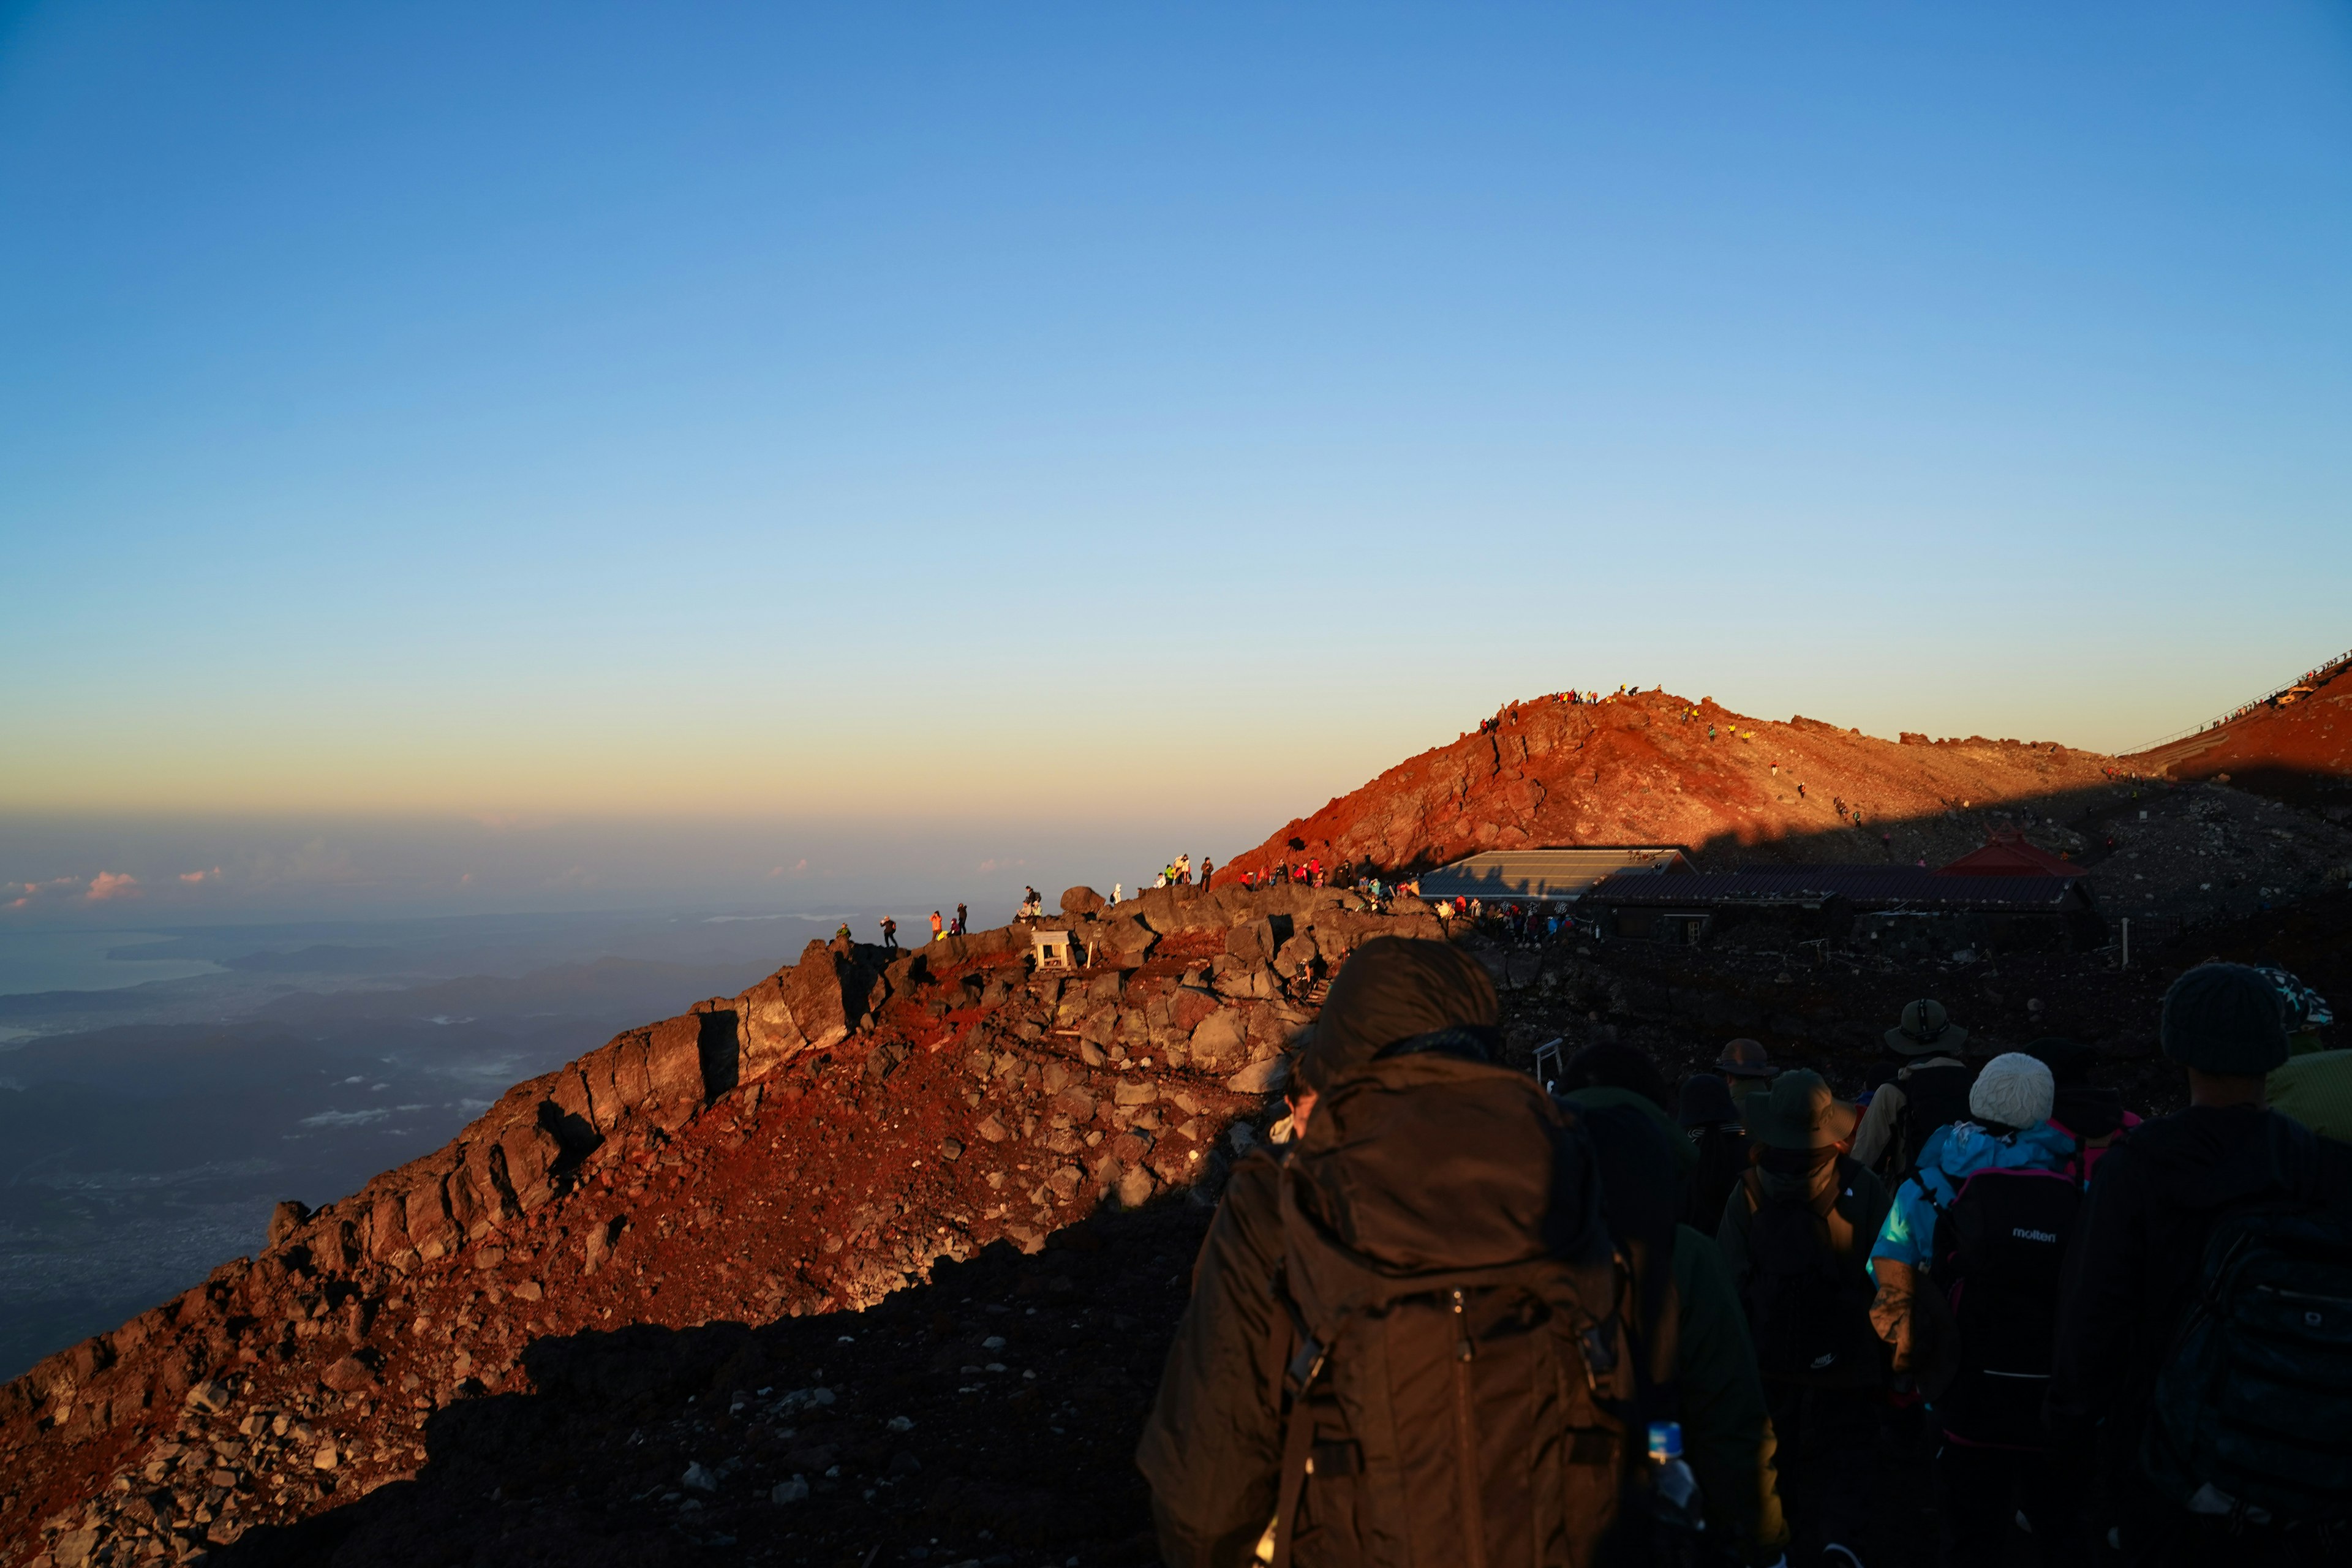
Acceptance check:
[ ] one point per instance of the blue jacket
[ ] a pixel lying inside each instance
(1950, 1156)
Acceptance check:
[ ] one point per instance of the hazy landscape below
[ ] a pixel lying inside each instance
(160, 1089)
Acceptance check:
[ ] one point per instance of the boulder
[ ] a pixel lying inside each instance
(674, 1069)
(804, 1008)
(1295, 957)
(1217, 1039)
(287, 1218)
(1187, 1006)
(1121, 940)
(349, 1376)
(1078, 901)
(531, 1152)
(1261, 1077)
(210, 1398)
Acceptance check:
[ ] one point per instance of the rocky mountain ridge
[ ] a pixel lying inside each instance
(1650, 767)
(808, 1146)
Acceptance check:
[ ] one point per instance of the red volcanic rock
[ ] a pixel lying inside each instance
(348, 1375)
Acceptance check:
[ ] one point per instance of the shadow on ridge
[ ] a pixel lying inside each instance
(988, 1416)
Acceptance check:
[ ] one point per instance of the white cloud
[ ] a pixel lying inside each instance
(112, 884)
(344, 1117)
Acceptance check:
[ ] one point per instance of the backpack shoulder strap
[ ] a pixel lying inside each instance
(1302, 1358)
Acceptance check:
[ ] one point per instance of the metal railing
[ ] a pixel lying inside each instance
(2318, 671)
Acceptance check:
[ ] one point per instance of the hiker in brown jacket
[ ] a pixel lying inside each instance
(1227, 1461)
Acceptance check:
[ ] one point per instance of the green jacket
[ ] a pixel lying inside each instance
(1726, 1438)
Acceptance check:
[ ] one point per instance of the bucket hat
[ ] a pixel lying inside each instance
(1744, 1058)
(1800, 1112)
(1925, 1029)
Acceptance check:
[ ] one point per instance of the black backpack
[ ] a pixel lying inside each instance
(2255, 1401)
(1807, 1308)
(1999, 1250)
(1464, 1385)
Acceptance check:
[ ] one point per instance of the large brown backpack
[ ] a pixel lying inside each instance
(1467, 1386)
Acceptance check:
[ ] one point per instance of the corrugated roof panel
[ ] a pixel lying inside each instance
(1544, 873)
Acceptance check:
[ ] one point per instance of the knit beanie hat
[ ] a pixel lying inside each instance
(2014, 1091)
(2224, 1018)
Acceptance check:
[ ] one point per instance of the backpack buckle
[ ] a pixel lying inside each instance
(1307, 1363)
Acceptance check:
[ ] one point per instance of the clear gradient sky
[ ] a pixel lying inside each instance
(1131, 417)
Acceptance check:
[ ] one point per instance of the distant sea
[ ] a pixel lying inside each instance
(78, 961)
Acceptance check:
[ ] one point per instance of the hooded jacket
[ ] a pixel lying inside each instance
(1949, 1157)
(1211, 1446)
(1907, 1241)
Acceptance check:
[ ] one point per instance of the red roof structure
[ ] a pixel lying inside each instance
(2008, 855)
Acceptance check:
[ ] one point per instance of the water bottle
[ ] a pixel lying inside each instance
(1674, 1493)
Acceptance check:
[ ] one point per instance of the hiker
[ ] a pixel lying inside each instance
(2307, 1013)
(1745, 1058)
(2221, 1435)
(959, 928)
(938, 927)
(2091, 1115)
(2316, 1088)
(1261, 1433)
(1183, 869)
(1646, 1177)
(1796, 1236)
(1208, 869)
(1918, 1086)
(889, 934)
(1968, 1265)
(1711, 1124)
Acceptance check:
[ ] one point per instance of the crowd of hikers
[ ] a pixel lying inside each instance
(1459, 1316)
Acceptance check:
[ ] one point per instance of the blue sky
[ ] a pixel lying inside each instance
(1145, 419)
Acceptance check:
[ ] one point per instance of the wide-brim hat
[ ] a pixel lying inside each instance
(1925, 1030)
(1744, 1058)
(1800, 1112)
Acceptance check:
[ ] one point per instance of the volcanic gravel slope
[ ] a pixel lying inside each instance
(2297, 747)
(1643, 769)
